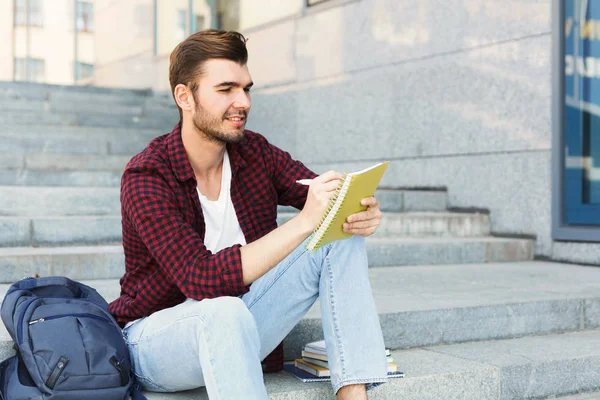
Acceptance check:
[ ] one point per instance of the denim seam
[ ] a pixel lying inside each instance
(346, 382)
(208, 347)
(335, 327)
(143, 378)
(143, 338)
(283, 271)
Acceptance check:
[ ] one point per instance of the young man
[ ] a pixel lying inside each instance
(212, 286)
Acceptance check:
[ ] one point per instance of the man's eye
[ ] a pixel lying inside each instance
(225, 90)
(247, 90)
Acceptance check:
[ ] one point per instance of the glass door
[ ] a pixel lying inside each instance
(582, 112)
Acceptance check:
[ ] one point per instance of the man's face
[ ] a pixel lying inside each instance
(222, 101)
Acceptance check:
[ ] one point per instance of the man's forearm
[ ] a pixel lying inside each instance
(263, 254)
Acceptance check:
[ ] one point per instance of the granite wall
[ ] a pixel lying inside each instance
(456, 93)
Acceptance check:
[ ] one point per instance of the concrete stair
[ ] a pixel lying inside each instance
(17, 262)
(582, 396)
(40, 200)
(85, 229)
(58, 201)
(497, 331)
(68, 106)
(541, 369)
(468, 314)
(34, 142)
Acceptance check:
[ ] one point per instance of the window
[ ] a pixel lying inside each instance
(219, 20)
(20, 69)
(30, 70)
(36, 16)
(200, 21)
(85, 70)
(20, 12)
(31, 10)
(85, 16)
(181, 31)
(576, 149)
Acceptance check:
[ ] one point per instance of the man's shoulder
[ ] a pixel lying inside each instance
(154, 156)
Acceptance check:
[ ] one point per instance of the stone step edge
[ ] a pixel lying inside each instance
(283, 386)
(62, 250)
(285, 214)
(431, 368)
(309, 327)
(409, 325)
(25, 251)
(581, 396)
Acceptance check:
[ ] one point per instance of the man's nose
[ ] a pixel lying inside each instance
(242, 100)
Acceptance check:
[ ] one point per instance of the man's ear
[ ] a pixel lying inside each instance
(183, 97)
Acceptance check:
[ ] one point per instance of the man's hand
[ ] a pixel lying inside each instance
(320, 192)
(365, 223)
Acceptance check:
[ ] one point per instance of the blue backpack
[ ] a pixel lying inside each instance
(68, 345)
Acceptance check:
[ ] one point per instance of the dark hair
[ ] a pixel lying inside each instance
(188, 57)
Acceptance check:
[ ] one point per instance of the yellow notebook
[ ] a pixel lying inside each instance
(353, 188)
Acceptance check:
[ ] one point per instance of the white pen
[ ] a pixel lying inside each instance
(304, 181)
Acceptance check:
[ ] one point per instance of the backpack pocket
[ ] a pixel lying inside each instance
(75, 345)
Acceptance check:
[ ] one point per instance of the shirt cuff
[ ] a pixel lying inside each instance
(232, 272)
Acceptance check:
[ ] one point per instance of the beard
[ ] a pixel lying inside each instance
(211, 126)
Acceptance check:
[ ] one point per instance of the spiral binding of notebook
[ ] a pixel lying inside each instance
(334, 205)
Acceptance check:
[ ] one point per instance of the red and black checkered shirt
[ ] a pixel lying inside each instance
(163, 226)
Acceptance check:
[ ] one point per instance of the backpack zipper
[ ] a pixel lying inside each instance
(35, 321)
(22, 316)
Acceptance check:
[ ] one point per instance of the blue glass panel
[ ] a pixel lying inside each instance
(582, 112)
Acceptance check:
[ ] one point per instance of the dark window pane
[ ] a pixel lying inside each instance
(85, 70)
(199, 22)
(20, 12)
(181, 26)
(36, 13)
(85, 16)
(20, 69)
(582, 112)
(30, 69)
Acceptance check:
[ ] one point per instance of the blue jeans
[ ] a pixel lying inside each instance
(219, 343)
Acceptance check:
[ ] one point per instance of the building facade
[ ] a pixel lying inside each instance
(100, 42)
(495, 101)
(47, 41)
(458, 94)
(137, 37)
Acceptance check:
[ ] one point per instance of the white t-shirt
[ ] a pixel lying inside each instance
(222, 226)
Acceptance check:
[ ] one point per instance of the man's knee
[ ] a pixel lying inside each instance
(352, 243)
(228, 313)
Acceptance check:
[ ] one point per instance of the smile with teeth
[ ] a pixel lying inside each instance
(235, 118)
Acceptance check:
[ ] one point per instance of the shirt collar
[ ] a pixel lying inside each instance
(181, 165)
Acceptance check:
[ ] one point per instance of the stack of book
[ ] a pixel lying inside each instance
(314, 360)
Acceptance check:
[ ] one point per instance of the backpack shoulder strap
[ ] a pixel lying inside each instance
(136, 390)
(32, 283)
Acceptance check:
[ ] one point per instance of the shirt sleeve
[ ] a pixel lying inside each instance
(285, 171)
(152, 209)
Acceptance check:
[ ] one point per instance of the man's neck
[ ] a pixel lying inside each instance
(205, 156)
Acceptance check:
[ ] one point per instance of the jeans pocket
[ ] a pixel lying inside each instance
(132, 333)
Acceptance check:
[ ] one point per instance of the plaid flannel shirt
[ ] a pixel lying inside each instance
(163, 225)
